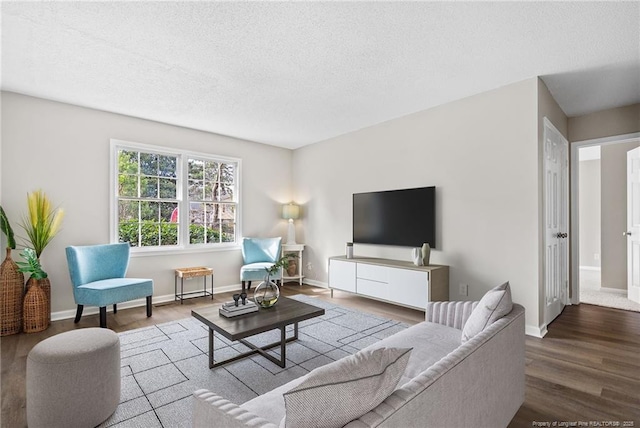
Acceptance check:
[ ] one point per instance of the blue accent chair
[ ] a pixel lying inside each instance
(97, 274)
(258, 254)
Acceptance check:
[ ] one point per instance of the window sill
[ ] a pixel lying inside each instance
(152, 252)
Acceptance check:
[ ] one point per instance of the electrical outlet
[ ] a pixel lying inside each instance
(309, 266)
(596, 256)
(464, 290)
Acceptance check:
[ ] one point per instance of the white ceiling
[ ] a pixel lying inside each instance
(291, 74)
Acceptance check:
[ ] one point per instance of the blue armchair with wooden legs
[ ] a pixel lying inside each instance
(259, 254)
(98, 277)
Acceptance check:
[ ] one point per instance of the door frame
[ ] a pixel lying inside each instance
(574, 251)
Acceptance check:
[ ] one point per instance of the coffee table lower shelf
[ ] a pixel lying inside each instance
(262, 350)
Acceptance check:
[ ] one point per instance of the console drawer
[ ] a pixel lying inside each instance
(370, 288)
(373, 272)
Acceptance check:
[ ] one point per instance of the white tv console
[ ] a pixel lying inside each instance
(393, 281)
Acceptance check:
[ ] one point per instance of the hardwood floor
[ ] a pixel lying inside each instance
(586, 369)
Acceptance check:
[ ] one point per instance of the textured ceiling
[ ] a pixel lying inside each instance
(291, 74)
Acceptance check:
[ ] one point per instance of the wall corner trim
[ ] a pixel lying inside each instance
(534, 331)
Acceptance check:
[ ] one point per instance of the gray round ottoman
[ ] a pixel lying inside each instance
(73, 379)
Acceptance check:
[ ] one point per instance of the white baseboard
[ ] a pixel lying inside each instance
(316, 283)
(228, 288)
(534, 331)
(91, 310)
(595, 268)
(614, 290)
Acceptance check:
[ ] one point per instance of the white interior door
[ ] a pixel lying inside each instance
(633, 225)
(556, 200)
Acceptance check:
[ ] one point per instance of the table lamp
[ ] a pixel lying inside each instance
(291, 212)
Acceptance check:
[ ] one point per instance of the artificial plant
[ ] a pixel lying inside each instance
(31, 265)
(43, 222)
(282, 262)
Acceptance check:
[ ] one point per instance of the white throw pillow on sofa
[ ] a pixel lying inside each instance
(344, 390)
(493, 306)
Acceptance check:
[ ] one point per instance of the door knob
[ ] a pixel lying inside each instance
(626, 233)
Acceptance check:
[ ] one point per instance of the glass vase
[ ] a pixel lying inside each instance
(266, 294)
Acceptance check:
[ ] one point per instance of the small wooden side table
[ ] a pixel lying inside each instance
(192, 272)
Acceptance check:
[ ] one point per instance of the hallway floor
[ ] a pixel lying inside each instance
(591, 293)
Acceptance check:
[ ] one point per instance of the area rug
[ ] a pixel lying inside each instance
(162, 365)
(609, 298)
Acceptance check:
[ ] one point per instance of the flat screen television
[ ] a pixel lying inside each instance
(405, 218)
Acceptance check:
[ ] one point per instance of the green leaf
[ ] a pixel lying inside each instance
(32, 265)
(6, 229)
(283, 262)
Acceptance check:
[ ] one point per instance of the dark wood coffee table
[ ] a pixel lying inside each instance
(284, 313)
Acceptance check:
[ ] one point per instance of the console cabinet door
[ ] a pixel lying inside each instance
(409, 287)
(342, 275)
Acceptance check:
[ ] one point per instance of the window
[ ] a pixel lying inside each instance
(212, 206)
(170, 199)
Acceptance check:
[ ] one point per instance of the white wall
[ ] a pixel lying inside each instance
(605, 123)
(480, 152)
(64, 150)
(589, 212)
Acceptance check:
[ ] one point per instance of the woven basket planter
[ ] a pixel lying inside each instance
(36, 308)
(45, 284)
(11, 292)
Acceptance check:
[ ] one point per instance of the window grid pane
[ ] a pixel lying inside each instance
(211, 181)
(147, 201)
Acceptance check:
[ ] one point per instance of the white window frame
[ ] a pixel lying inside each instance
(182, 196)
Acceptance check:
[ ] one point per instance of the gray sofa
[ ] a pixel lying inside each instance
(478, 383)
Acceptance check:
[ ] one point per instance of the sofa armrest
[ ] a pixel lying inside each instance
(210, 410)
(451, 314)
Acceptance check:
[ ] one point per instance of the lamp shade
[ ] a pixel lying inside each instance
(290, 211)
